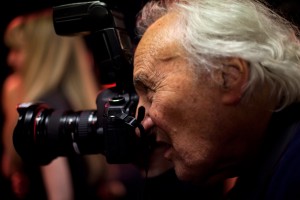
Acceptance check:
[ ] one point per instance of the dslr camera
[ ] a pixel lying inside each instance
(42, 133)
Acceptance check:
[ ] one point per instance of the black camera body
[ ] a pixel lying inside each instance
(43, 133)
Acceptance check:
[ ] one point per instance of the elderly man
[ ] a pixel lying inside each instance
(220, 83)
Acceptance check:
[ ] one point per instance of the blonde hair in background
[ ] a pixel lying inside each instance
(53, 61)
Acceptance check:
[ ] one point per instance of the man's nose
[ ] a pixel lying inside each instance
(147, 122)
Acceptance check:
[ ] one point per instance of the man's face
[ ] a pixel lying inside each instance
(180, 108)
(183, 109)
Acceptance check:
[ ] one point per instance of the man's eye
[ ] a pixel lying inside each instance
(150, 96)
(140, 86)
(148, 92)
(144, 90)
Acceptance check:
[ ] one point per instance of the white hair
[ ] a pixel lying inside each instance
(247, 29)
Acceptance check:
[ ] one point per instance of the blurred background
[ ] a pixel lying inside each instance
(11, 8)
(8, 11)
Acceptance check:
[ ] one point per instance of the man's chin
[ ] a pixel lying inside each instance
(201, 179)
(155, 172)
(158, 164)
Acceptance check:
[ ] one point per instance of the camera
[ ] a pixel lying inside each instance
(42, 133)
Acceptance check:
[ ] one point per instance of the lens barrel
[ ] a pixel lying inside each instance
(43, 133)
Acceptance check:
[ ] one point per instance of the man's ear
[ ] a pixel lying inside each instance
(234, 76)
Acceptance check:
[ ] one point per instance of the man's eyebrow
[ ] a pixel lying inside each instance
(138, 79)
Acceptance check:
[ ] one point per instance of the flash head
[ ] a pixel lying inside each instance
(81, 17)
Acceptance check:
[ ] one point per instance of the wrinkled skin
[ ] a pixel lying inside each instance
(202, 128)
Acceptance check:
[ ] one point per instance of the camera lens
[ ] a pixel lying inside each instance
(43, 134)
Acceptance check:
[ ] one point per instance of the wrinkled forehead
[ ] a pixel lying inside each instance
(161, 39)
